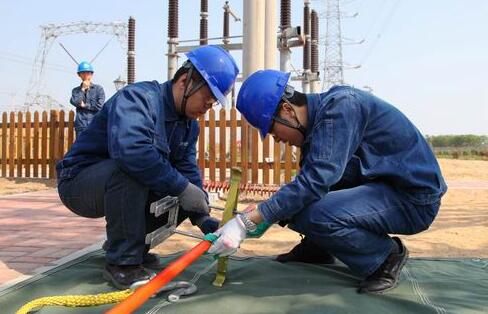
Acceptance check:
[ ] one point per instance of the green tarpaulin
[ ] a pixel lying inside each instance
(260, 285)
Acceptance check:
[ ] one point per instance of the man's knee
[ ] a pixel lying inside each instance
(120, 178)
(317, 220)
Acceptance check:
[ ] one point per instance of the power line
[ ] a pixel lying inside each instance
(386, 22)
(103, 48)
(30, 63)
(377, 19)
(13, 57)
(29, 59)
(69, 54)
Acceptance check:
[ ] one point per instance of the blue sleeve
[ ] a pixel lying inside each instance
(95, 103)
(76, 97)
(187, 165)
(135, 145)
(336, 135)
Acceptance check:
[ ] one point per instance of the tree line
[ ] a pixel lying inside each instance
(468, 140)
(467, 146)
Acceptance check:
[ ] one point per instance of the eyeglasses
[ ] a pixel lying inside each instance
(210, 103)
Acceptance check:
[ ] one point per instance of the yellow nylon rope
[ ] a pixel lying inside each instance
(75, 300)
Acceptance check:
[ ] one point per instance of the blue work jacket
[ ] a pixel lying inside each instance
(93, 97)
(139, 128)
(352, 131)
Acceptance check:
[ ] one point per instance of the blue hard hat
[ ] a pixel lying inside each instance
(259, 97)
(85, 67)
(218, 69)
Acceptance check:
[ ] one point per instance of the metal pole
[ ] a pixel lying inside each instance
(271, 29)
(253, 41)
(252, 54)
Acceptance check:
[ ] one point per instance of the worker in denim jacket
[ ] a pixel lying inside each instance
(139, 148)
(88, 98)
(366, 172)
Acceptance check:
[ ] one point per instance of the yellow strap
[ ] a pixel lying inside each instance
(75, 300)
(230, 206)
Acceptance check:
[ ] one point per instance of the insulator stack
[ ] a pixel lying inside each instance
(203, 22)
(226, 23)
(315, 42)
(173, 19)
(131, 53)
(306, 31)
(285, 14)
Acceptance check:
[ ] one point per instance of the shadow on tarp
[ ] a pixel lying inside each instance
(260, 285)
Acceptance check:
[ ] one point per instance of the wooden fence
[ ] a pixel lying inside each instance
(32, 143)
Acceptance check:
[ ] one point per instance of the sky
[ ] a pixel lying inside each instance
(428, 58)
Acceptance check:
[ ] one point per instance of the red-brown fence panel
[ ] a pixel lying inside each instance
(44, 140)
(32, 143)
(27, 148)
(4, 144)
(36, 142)
(11, 148)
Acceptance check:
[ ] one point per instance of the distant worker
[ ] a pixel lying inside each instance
(139, 148)
(88, 98)
(366, 172)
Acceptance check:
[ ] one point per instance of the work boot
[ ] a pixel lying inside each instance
(306, 252)
(149, 260)
(123, 276)
(387, 275)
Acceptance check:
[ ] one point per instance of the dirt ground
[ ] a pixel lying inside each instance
(460, 230)
(21, 185)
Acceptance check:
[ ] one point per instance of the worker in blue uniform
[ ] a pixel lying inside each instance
(139, 148)
(88, 98)
(366, 172)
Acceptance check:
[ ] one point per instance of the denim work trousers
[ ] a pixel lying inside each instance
(352, 222)
(103, 189)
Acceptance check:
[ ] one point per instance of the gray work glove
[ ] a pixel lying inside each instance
(193, 199)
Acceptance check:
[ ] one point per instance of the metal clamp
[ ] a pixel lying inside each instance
(170, 205)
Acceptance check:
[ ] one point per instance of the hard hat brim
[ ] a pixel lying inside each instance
(221, 98)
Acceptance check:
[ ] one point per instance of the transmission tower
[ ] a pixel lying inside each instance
(35, 100)
(333, 73)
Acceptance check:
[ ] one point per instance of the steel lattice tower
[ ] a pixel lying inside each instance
(333, 73)
(35, 99)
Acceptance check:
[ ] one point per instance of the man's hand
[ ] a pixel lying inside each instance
(85, 85)
(193, 199)
(230, 237)
(82, 104)
(256, 217)
(250, 208)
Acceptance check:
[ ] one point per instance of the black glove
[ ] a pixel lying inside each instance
(193, 199)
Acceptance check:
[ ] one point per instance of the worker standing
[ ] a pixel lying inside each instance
(142, 147)
(366, 172)
(88, 98)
